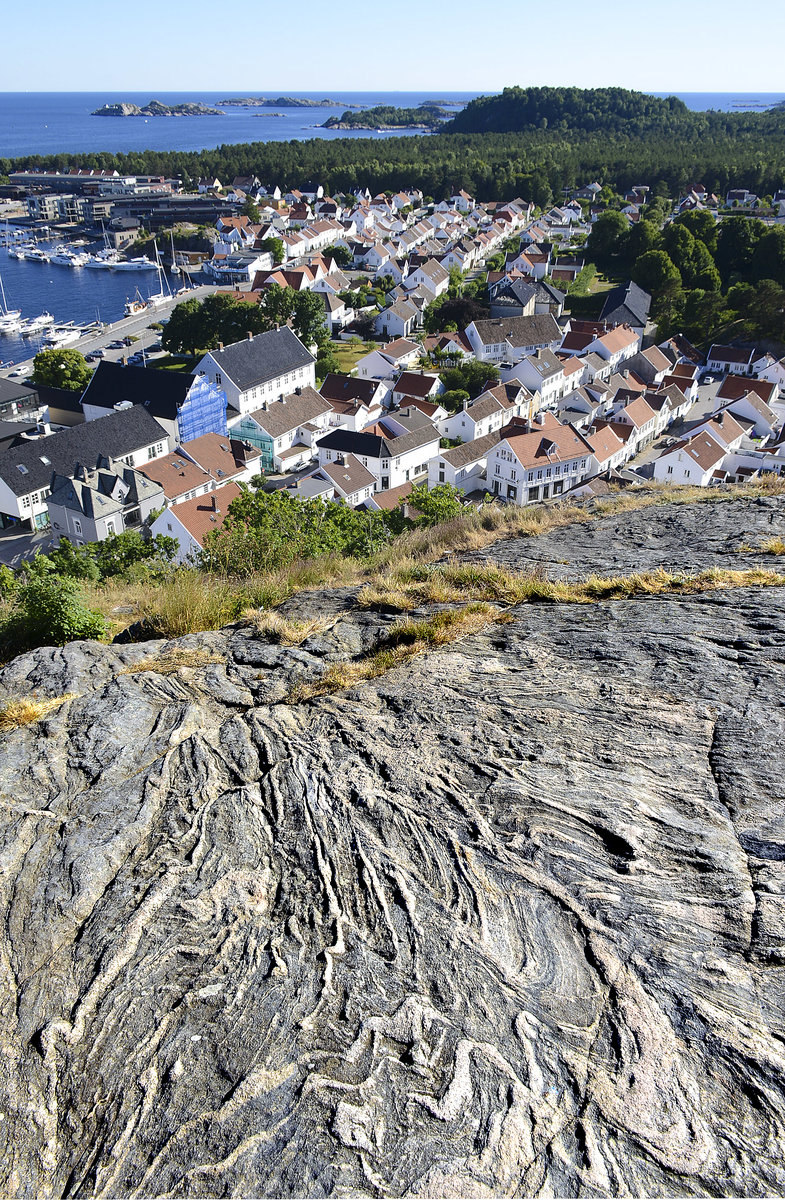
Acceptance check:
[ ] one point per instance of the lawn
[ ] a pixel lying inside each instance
(348, 353)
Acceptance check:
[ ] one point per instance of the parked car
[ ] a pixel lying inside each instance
(116, 345)
(129, 341)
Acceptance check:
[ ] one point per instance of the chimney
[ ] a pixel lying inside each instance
(220, 345)
(250, 336)
(539, 418)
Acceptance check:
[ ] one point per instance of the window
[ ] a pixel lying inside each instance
(498, 469)
(513, 474)
(218, 379)
(670, 470)
(77, 527)
(512, 492)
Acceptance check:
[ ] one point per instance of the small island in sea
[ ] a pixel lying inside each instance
(276, 102)
(383, 116)
(156, 109)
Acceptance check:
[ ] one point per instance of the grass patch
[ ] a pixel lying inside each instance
(774, 545)
(348, 354)
(456, 582)
(172, 660)
(403, 642)
(25, 712)
(280, 629)
(190, 601)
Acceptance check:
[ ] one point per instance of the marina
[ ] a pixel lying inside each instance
(47, 300)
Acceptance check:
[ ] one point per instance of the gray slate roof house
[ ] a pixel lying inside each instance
(95, 503)
(162, 393)
(117, 435)
(627, 304)
(266, 356)
(294, 410)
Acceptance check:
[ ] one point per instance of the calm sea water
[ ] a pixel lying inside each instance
(53, 122)
(69, 294)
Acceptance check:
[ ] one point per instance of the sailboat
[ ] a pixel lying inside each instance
(174, 269)
(161, 296)
(10, 319)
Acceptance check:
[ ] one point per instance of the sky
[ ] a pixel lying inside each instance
(461, 46)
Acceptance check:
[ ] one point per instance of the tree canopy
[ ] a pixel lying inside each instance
(64, 368)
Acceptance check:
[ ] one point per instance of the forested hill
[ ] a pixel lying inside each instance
(519, 110)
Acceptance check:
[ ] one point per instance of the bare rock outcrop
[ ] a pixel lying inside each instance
(508, 920)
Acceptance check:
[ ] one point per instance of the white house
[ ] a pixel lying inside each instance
(509, 339)
(543, 460)
(260, 369)
(287, 429)
(692, 461)
(343, 478)
(489, 412)
(463, 466)
(397, 321)
(191, 521)
(27, 469)
(386, 362)
(737, 360)
(541, 372)
(393, 458)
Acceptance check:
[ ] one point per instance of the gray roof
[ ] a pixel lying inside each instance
(22, 393)
(294, 410)
(539, 330)
(162, 393)
(255, 360)
(108, 489)
(372, 445)
(469, 452)
(626, 304)
(114, 436)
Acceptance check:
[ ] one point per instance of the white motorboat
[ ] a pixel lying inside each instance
(62, 335)
(37, 324)
(134, 264)
(62, 258)
(33, 254)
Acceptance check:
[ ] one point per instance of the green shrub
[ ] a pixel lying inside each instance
(49, 611)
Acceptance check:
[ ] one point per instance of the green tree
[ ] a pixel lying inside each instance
(251, 211)
(309, 318)
(737, 238)
(274, 246)
(472, 377)
(342, 255)
(607, 242)
(702, 225)
(435, 506)
(768, 256)
(61, 369)
(453, 400)
(655, 271)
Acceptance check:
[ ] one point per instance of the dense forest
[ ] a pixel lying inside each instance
(563, 137)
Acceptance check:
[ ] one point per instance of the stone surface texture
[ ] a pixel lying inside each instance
(509, 920)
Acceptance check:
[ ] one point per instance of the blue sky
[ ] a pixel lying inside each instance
(678, 45)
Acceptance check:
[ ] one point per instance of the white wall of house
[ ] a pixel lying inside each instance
(521, 484)
(249, 399)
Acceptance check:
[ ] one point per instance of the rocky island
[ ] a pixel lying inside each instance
(277, 102)
(425, 116)
(503, 919)
(156, 109)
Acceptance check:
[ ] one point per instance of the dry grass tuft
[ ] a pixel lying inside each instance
(24, 712)
(282, 630)
(172, 660)
(774, 545)
(403, 641)
(458, 582)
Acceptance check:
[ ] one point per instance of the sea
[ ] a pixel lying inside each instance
(61, 122)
